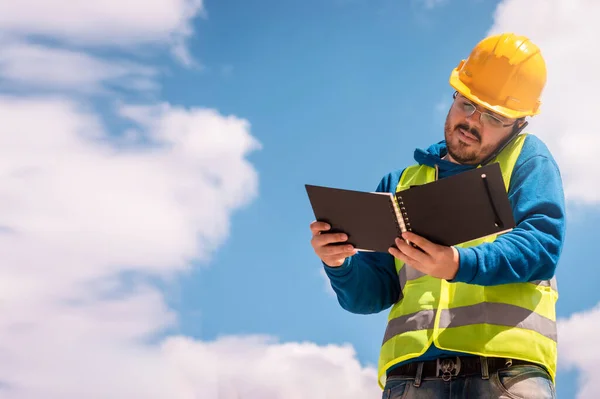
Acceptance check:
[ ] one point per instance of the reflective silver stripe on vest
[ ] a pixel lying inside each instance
(499, 314)
(547, 283)
(408, 273)
(486, 312)
(420, 320)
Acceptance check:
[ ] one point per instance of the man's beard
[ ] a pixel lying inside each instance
(458, 150)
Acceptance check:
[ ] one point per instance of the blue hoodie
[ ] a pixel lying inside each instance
(367, 282)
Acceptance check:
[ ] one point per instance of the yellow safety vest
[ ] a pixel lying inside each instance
(516, 321)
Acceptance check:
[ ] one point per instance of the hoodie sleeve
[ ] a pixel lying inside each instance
(367, 282)
(530, 251)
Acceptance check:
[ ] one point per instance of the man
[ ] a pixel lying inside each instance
(478, 319)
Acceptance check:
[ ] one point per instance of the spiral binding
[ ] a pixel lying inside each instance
(402, 216)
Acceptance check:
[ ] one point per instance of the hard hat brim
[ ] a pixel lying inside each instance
(463, 89)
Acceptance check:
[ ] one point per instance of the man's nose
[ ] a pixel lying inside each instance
(475, 118)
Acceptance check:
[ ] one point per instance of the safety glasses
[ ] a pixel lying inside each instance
(468, 108)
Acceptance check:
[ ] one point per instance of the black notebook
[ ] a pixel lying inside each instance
(449, 211)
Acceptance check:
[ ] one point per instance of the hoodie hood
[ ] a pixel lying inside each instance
(433, 156)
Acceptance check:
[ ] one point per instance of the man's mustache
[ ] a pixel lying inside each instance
(469, 129)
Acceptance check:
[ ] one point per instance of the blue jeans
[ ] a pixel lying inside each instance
(515, 382)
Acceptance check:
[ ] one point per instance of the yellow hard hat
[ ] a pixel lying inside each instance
(505, 73)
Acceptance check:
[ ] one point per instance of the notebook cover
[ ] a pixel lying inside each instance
(457, 209)
(368, 218)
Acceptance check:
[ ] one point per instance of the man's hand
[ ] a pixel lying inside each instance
(435, 260)
(322, 243)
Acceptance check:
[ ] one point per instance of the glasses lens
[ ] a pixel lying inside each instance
(467, 107)
(487, 118)
(491, 120)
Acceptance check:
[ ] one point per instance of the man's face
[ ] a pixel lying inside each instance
(471, 136)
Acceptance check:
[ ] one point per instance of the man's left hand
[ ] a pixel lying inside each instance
(435, 260)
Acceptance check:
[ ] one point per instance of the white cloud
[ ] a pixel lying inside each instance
(260, 368)
(87, 214)
(79, 207)
(112, 23)
(431, 4)
(327, 283)
(65, 189)
(565, 30)
(27, 65)
(226, 70)
(441, 109)
(579, 348)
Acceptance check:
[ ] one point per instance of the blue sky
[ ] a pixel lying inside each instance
(335, 92)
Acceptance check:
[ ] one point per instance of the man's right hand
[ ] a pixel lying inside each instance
(331, 255)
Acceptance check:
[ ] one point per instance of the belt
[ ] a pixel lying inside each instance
(446, 368)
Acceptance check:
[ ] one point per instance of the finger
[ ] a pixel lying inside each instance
(328, 238)
(337, 260)
(336, 250)
(421, 242)
(396, 253)
(340, 257)
(411, 251)
(316, 227)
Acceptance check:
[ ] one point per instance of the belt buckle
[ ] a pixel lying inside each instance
(449, 367)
